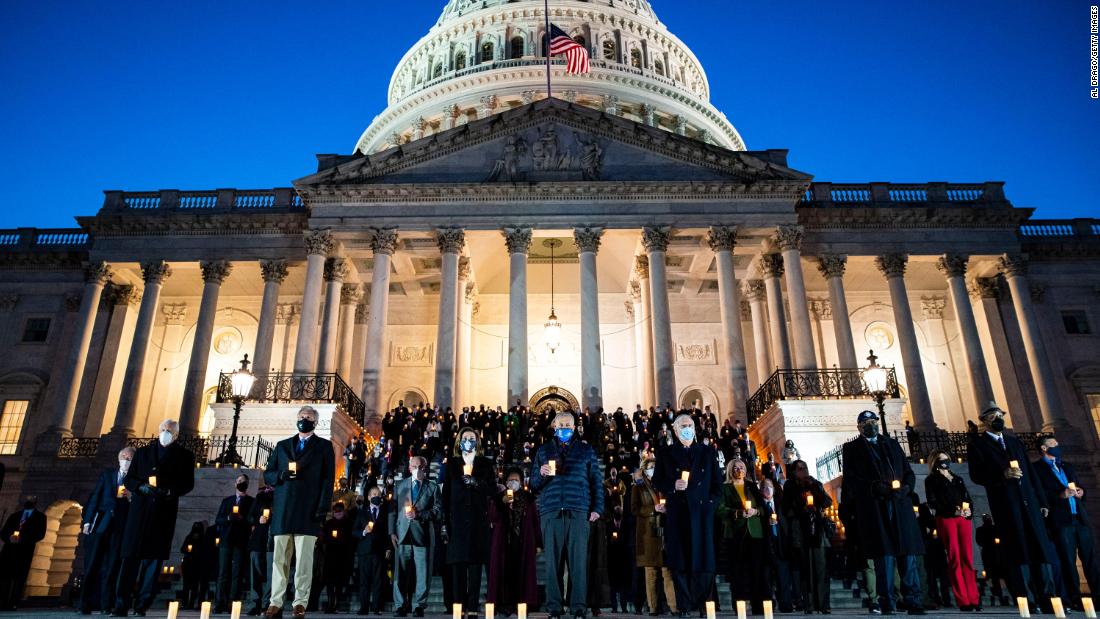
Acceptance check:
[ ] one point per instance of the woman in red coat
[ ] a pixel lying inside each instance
(517, 537)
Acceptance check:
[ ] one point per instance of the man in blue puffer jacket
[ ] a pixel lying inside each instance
(567, 478)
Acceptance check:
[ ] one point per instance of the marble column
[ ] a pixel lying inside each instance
(832, 268)
(274, 274)
(722, 240)
(772, 267)
(588, 244)
(1014, 268)
(757, 295)
(953, 266)
(464, 290)
(213, 275)
(154, 274)
(645, 324)
(465, 340)
(358, 347)
(789, 241)
(336, 269)
(893, 267)
(319, 243)
(111, 360)
(95, 277)
(451, 242)
(518, 242)
(383, 244)
(349, 300)
(655, 240)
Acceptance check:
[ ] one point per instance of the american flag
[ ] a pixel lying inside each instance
(575, 53)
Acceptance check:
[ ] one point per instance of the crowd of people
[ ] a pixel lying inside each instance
(642, 510)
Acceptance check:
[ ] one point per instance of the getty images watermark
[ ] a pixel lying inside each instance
(1094, 47)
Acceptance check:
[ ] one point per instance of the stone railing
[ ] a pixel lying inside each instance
(281, 199)
(902, 194)
(43, 239)
(289, 387)
(834, 383)
(1060, 229)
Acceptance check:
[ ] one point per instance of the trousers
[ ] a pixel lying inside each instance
(565, 537)
(300, 549)
(411, 561)
(651, 593)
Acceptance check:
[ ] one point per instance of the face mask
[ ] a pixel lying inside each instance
(166, 438)
(123, 465)
(686, 433)
(649, 473)
(618, 511)
(338, 515)
(944, 464)
(242, 486)
(468, 445)
(997, 425)
(305, 426)
(376, 501)
(1055, 451)
(564, 434)
(869, 430)
(414, 473)
(513, 485)
(28, 505)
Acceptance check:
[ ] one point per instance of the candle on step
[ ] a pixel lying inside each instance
(521, 610)
(741, 613)
(153, 481)
(457, 611)
(1090, 608)
(768, 609)
(235, 610)
(204, 613)
(1025, 612)
(1056, 606)
(173, 609)
(490, 610)
(710, 610)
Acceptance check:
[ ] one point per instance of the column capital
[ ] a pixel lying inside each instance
(463, 267)
(384, 241)
(319, 242)
(953, 265)
(754, 289)
(641, 267)
(656, 238)
(274, 270)
(722, 238)
(72, 301)
(450, 240)
(336, 269)
(628, 305)
(350, 294)
(174, 313)
(123, 295)
(788, 237)
(984, 288)
(287, 313)
(771, 265)
(635, 291)
(155, 272)
(892, 265)
(362, 313)
(518, 240)
(832, 265)
(587, 239)
(1013, 265)
(931, 308)
(215, 271)
(97, 273)
(470, 292)
(822, 308)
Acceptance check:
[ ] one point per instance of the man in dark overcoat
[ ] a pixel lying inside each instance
(103, 522)
(877, 485)
(302, 469)
(22, 531)
(1018, 508)
(234, 530)
(689, 515)
(373, 548)
(160, 474)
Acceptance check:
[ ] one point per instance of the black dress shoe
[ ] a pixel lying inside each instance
(418, 612)
(139, 612)
(400, 612)
(118, 612)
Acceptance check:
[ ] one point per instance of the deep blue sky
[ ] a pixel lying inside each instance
(199, 95)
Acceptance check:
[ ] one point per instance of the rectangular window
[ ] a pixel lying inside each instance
(36, 330)
(1093, 400)
(1076, 322)
(11, 425)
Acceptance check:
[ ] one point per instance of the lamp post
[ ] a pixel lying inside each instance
(876, 379)
(241, 381)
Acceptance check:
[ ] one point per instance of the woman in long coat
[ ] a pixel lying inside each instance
(467, 486)
(517, 537)
(339, 554)
(647, 508)
(742, 534)
(809, 537)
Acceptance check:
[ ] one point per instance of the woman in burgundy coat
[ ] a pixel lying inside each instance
(517, 537)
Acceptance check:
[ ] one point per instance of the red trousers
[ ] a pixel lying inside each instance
(957, 537)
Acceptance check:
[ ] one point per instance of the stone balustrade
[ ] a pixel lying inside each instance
(1039, 229)
(43, 239)
(283, 199)
(825, 194)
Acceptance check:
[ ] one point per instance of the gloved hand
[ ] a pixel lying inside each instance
(903, 490)
(286, 476)
(147, 490)
(880, 489)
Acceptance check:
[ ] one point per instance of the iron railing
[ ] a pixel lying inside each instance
(834, 383)
(289, 387)
(78, 447)
(254, 450)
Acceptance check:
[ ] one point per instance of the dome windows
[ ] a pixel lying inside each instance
(460, 60)
(486, 52)
(515, 47)
(636, 58)
(610, 50)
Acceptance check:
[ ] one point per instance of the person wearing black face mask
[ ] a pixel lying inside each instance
(21, 532)
(233, 530)
(1068, 522)
(373, 550)
(949, 499)
(259, 547)
(998, 461)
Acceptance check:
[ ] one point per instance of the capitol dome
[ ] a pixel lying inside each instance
(484, 57)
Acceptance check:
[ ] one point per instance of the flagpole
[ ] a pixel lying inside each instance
(546, 4)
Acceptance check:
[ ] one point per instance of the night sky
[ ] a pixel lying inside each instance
(202, 95)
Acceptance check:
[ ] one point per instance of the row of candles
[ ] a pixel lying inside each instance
(204, 610)
(1057, 607)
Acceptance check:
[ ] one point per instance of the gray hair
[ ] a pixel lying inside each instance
(309, 410)
(565, 414)
(171, 425)
(127, 450)
(681, 416)
(420, 459)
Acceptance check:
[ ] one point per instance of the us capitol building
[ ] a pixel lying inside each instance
(683, 268)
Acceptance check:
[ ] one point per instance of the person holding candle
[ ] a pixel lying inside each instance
(412, 532)
(804, 503)
(742, 533)
(21, 532)
(102, 523)
(777, 551)
(516, 542)
(193, 566)
(1068, 522)
(355, 455)
(647, 508)
(1018, 508)
(566, 478)
(234, 531)
(876, 489)
(468, 485)
(260, 547)
(300, 504)
(151, 522)
(950, 501)
(687, 474)
(337, 556)
(373, 549)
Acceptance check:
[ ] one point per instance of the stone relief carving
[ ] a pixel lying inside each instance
(696, 353)
(228, 341)
(541, 154)
(415, 355)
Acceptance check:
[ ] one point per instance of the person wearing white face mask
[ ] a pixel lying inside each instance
(647, 506)
(417, 507)
(104, 520)
(161, 473)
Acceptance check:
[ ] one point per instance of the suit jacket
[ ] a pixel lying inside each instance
(31, 531)
(377, 542)
(1050, 486)
(880, 519)
(234, 529)
(301, 503)
(419, 531)
(151, 521)
(689, 515)
(104, 509)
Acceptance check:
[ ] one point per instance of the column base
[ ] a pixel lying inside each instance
(49, 441)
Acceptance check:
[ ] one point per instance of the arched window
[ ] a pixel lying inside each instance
(486, 52)
(437, 70)
(636, 58)
(460, 61)
(516, 48)
(659, 67)
(609, 49)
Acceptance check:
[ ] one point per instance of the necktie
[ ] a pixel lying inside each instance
(374, 513)
(775, 527)
(1001, 442)
(416, 491)
(301, 446)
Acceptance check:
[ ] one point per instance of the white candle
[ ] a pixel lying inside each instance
(1056, 605)
(1090, 609)
(467, 469)
(511, 494)
(204, 613)
(153, 481)
(457, 611)
(490, 610)
(966, 506)
(121, 491)
(996, 540)
(1025, 612)
(235, 611)
(1015, 464)
(370, 527)
(741, 614)
(521, 610)
(267, 513)
(710, 610)
(334, 532)
(189, 548)
(748, 505)
(173, 609)
(768, 609)
(553, 467)
(292, 467)
(775, 518)
(809, 500)
(895, 484)
(236, 509)
(1073, 486)
(685, 475)
(217, 541)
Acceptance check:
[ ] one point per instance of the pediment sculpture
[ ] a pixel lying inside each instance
(542, 154)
